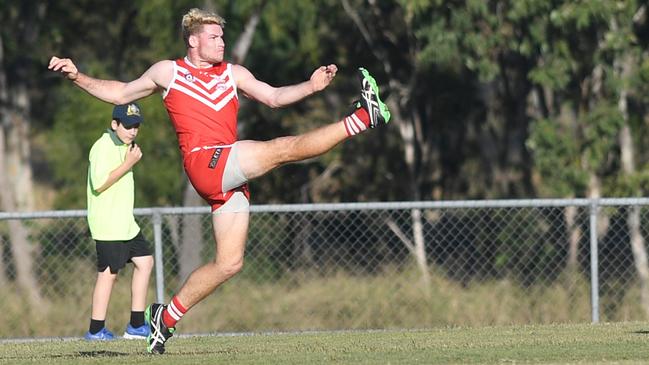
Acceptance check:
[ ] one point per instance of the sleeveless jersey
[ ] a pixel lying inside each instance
(202, 104)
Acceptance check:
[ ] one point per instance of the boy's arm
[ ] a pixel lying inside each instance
(133, 155)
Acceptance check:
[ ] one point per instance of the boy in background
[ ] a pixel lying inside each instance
(111, 195)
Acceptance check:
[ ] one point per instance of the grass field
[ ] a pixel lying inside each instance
(620, 343)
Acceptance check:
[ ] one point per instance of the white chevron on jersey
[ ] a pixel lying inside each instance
(207, 101)
(213, 94)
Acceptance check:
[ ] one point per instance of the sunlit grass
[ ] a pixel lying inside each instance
(621, 343)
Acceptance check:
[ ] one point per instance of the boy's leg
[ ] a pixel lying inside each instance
(142, 267)
(101, 294)
(136, 328)
(100, 300)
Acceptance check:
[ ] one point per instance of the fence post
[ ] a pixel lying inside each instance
(159, 273)
(594, 263)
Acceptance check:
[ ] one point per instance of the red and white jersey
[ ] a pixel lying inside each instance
(202, 104)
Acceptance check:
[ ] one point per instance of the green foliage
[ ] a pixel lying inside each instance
(583, 14)
(601, 128)
(556, 155)
(461, 36)
(159, 22)
(504, 71)
(565, 154)
(555, 70)
(582, 63)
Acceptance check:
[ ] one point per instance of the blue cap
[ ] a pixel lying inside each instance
(128, 114)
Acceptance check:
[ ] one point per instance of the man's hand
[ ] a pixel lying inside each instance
(64, 66)
(322, 77)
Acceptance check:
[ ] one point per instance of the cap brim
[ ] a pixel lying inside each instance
(131, 120)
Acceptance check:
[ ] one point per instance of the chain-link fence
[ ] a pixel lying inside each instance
(349, 266)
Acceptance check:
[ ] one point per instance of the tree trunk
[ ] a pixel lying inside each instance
(3, 268)
(243, 43)
(409, 126)
(639, 256)
(418, 247)
(591, 92)
(628, 167)
(21, 249)
(191, 238)
(303, 254)
(574, 233)
(15, 177)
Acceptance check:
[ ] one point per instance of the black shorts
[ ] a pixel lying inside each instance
(115, 254)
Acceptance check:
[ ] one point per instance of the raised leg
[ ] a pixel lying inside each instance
(257, 158)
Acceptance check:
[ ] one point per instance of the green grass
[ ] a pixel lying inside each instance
(620, 343)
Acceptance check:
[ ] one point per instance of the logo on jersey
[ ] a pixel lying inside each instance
(189, 77)
(215, 158)
(217, 80)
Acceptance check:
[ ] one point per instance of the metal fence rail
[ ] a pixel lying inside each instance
(355, 265)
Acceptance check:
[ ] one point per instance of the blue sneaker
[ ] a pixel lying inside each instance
(102, 335)
(136, 333)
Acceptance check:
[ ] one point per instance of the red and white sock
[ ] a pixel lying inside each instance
(357, 122)
(173, 313)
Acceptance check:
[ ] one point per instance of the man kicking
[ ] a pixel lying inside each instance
(201, 95)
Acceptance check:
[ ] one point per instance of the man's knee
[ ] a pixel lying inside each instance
(231, 267)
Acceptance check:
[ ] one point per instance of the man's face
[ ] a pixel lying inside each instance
(210, 43)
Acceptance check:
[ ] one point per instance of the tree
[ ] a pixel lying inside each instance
(16, 183)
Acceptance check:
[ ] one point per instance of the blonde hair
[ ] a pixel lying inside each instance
(194, 20)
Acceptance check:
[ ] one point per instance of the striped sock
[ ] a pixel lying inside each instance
(173, 313)
(357, 122)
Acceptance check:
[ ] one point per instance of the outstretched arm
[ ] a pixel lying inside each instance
(276, 97)
(116, 92)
